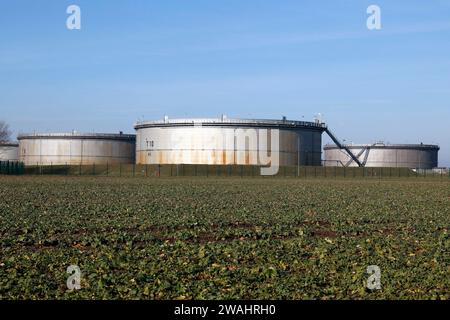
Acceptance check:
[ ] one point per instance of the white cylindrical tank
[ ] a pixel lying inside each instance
(385, 155)
(9, 151)
(76, 148)
(226, 141)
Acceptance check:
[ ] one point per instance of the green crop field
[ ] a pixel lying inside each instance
(223, 238)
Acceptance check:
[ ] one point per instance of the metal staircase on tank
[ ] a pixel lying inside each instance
(349, 152)
(366, 156)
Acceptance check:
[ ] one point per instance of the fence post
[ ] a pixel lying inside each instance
(107, 168)
(134, 169)
(93, 169)
(120, 169)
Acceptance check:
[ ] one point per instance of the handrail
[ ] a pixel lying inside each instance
(231, 121)
(75, 134)
(384, 145)
(343, 146)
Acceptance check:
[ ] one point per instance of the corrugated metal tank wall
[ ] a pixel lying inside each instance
(395, 156)
(9, 152)
(76, 149)
(215, 144)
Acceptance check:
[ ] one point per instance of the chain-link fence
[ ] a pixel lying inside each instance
(185, 170)
(12, 167)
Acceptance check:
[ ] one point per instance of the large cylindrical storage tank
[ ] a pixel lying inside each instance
(9, 151)
(76, 148)
(226, 141)
(385, 155)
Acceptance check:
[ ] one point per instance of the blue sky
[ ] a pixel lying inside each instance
(244, 58)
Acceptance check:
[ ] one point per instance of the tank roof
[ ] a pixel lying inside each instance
(385, 146)
(78, 135)
(230, 122)
(9, 144)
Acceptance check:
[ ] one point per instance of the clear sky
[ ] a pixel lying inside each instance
(244, 58)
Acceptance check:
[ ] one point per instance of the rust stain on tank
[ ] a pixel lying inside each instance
(213, 157)
(142, 158)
